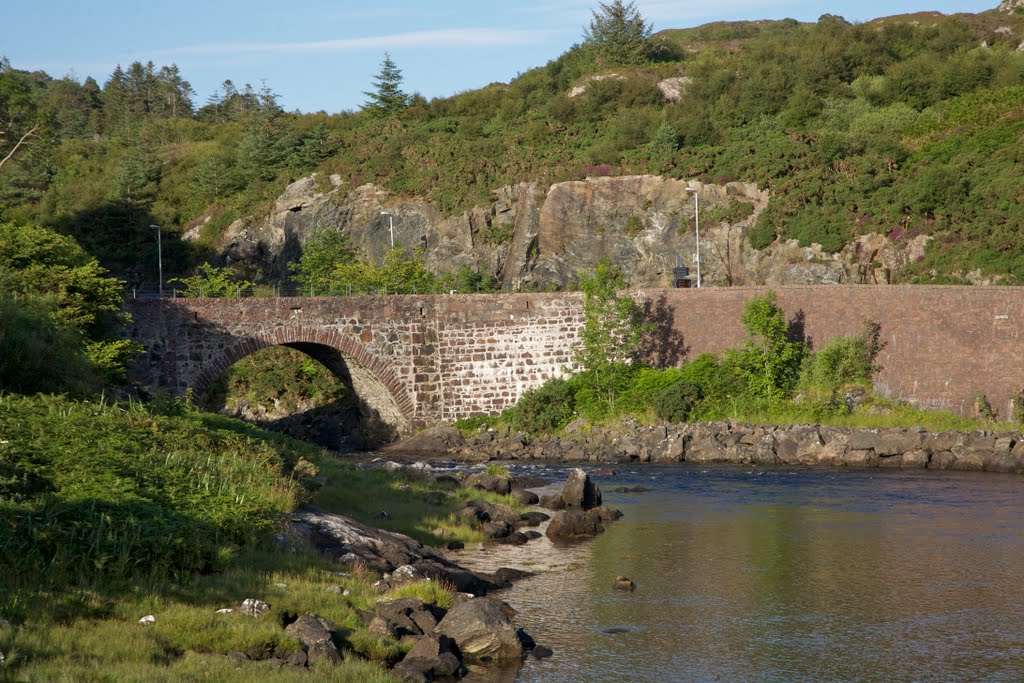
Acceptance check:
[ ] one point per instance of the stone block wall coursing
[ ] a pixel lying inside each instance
(416, 359)
(421, 359)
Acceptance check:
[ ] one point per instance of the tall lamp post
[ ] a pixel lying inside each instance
(391, 226)
(696, 218)
(159, 259)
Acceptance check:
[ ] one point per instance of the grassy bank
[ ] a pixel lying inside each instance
(109, 512)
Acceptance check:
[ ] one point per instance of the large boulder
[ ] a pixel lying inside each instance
(314, 633)
(580, 493)
(575, 524)
(482, 630)
(432, 656)
(433, 440)
(489, 482)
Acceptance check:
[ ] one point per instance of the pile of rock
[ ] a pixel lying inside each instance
(443, 641)
(582, 514)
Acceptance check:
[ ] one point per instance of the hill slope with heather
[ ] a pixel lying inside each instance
(905, 127)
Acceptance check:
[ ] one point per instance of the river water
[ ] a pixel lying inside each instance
(780, 575)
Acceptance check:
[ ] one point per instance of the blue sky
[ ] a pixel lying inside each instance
(322, 55)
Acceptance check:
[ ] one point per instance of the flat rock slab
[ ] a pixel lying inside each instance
(346, 540)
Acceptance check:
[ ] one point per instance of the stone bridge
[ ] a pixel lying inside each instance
(423, 359)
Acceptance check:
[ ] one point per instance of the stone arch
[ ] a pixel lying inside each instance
(373, 380)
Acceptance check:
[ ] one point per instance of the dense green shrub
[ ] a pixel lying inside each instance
(769, 360)
(843, 361)
(677, 402)
(544, 409)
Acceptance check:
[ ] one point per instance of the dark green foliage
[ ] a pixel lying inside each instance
(612, 329)
(901, 127)
(39, 355)
(547, 408)
(276, 380)
(387, 97)
(769, 361)
(212, 282)
(325, 250)
(54, 288)
(677, 402)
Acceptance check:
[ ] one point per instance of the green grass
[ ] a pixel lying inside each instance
(363, 494)
(113, 511)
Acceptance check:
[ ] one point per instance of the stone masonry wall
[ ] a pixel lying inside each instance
(944, 345)
(430, 358)
(491, 355)
(417, 359)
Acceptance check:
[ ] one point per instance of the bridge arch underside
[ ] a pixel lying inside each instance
(385, 409)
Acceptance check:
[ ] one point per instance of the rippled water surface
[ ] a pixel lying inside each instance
(782, 575)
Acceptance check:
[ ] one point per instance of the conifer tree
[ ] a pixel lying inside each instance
(619, 33)
(388, 98)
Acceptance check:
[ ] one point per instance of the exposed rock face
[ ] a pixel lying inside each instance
(542, 236)
(1010, 6)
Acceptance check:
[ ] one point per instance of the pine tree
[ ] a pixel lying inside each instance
(388, 99)
(619, 33)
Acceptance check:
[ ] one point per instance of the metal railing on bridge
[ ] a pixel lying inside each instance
(287, 290)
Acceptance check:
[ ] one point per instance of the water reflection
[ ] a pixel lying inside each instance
(777, 575)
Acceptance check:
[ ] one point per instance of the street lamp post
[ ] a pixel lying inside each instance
(391, 226)
(696, 218)
(159, 259)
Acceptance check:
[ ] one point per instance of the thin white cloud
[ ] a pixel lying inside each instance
(446, 38)
(652, 10)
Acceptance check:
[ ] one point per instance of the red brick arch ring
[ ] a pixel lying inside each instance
(350, 348)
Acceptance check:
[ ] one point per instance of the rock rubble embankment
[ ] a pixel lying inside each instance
(747, 444)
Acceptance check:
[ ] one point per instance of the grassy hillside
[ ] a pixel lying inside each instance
(903, 125)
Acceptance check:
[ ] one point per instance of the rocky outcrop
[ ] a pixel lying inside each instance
(345, 540)
(535, 236)
(746, 444)
(314, 634)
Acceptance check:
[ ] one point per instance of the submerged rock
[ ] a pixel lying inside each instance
(623, 583)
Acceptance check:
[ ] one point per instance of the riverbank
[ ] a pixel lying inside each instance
(742, 444)
(157, 542)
